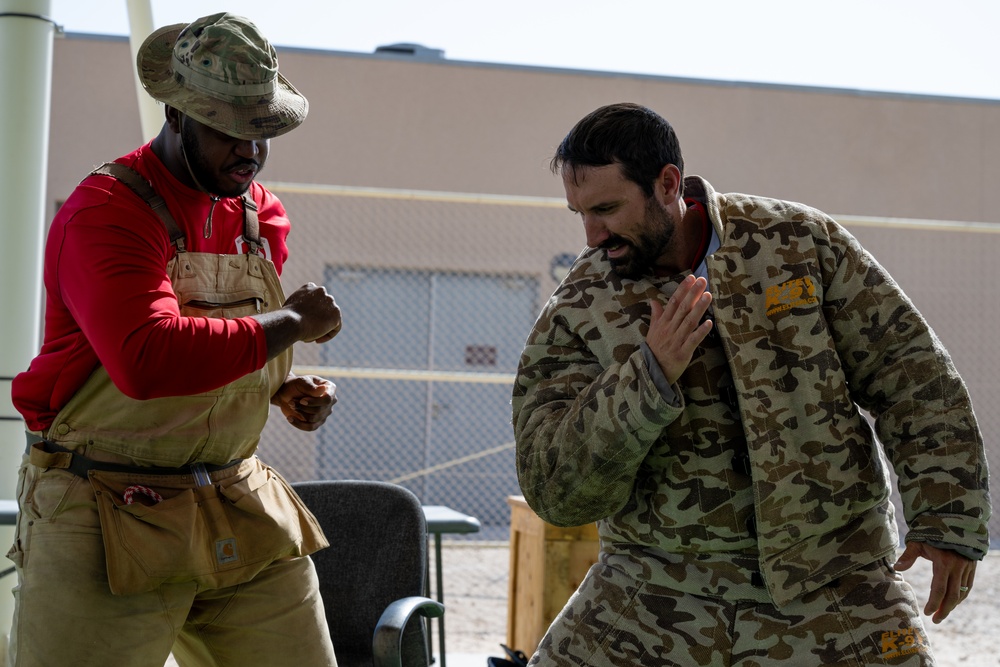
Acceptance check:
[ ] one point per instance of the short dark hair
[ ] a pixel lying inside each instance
(639, 139)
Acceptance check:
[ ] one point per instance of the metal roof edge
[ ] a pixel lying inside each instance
(426, 59)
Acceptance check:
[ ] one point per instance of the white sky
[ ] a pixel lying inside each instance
(928, 47)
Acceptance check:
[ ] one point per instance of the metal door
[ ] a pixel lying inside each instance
(425, 360)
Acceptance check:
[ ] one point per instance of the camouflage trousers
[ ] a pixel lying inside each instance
(867, 617)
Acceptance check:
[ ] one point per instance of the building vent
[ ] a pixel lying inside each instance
(415, 51)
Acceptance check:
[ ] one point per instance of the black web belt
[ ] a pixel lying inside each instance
(81, 465)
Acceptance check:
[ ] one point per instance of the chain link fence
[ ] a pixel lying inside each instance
(438, 292)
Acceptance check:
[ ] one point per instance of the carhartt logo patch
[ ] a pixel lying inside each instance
(790, 294)
(898, 643)
(225, 550)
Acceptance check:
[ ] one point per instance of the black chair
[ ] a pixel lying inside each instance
(373, 575)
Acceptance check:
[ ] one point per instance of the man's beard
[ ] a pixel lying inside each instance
(652, 243)
(203, 175)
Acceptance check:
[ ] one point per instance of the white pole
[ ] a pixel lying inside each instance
(140, 18)
(26, 33)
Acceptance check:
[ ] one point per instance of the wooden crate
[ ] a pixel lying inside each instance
(547, 564)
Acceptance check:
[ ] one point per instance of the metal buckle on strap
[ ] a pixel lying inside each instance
(48, 454)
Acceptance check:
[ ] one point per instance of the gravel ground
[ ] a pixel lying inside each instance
(476, 598)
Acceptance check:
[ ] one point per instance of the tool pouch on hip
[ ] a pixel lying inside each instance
(216, 535)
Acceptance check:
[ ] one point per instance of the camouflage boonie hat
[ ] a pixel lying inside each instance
(222, 72)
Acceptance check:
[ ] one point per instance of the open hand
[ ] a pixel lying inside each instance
(676, 330)
(951, 581)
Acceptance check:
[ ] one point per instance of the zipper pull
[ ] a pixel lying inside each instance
(208, 222)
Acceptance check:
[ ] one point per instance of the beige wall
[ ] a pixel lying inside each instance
(390, 122)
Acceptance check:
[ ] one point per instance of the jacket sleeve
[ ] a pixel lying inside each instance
(582, 427)
(901, 374)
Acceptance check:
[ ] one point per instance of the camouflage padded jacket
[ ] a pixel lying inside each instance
(813, 329)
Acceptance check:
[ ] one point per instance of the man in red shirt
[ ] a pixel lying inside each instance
(147, 525)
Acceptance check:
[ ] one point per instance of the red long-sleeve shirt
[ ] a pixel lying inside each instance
(109, 300)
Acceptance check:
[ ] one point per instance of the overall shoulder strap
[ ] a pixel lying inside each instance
(251, 224)
(141, 187)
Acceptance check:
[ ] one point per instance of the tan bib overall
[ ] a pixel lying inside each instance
(213, 427)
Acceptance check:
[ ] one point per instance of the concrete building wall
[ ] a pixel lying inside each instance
(393, 122)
